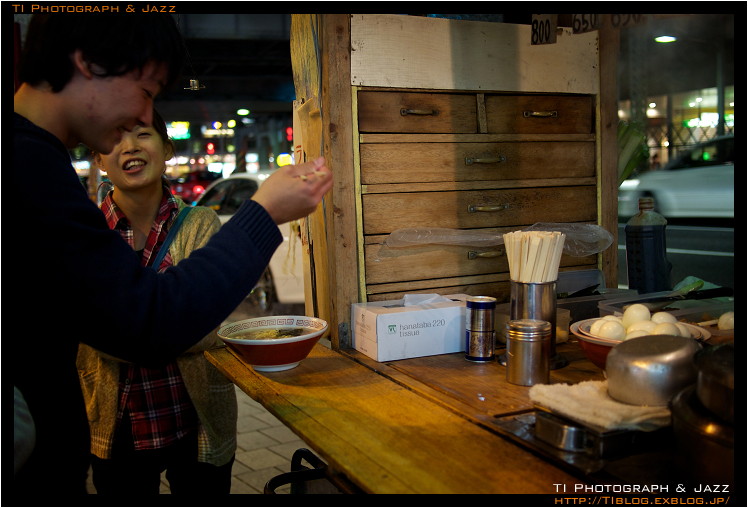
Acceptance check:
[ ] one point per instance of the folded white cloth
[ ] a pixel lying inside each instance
(588, 402)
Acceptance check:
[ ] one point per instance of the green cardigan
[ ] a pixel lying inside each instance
(212, 394)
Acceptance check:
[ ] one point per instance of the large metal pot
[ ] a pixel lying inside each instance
(705, 446)
(651, 370)
(715, 382)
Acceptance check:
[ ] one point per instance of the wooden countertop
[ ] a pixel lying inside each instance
(422, 425)
(478, 391)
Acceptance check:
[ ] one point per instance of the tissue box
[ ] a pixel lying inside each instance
(389, 330)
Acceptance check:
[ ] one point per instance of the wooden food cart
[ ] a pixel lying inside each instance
(429, 122)
(435, 123)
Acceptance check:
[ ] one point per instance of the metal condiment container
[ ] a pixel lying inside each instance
(537, 300)
(480, 335)
(528, 353)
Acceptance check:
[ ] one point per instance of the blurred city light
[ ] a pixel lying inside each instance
(178, 130)
(284, 159)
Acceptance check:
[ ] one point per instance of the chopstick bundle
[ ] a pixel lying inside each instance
(534, 256)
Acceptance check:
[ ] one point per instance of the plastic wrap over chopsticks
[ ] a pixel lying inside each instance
(581, 239)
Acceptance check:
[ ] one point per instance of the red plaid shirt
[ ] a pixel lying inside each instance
(156, 399)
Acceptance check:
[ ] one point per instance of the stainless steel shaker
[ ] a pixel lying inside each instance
(528, 352)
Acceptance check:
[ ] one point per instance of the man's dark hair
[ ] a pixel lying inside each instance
(158, 124)
(118, 43)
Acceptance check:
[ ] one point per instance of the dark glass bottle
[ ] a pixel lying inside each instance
(646, 255)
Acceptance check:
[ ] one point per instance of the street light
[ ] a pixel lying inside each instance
(720, 75)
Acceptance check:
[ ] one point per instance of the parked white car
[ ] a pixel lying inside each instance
(697, 183)
(284, 281)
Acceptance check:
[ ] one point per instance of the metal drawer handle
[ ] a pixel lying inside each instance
(422, 112)
(486, 208)
(540, 114)
(488, 160)
(486, 254)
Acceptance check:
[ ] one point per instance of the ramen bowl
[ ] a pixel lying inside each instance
(273, 343)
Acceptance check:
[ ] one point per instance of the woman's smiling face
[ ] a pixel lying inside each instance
(138, 160)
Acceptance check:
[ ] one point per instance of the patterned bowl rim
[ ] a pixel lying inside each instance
(319, 326)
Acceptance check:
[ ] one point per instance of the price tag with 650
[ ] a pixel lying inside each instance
(581, 23)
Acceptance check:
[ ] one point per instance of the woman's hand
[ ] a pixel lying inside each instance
(293, 192)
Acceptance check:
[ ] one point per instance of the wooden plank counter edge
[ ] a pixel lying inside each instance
(384, 437)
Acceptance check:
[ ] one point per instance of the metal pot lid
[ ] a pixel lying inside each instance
(657, 347)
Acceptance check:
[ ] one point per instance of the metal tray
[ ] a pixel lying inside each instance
(594, 454)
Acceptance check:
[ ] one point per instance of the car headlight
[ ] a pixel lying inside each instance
(630, 184)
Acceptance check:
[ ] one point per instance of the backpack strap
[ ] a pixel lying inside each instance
(170, 236)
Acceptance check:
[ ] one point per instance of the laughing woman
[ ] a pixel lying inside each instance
(145, 419)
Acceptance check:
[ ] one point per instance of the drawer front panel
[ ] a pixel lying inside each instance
(539, 114)
(428, 262)
(499, 286)
(384, 213)
(416, 112)
(450, 162)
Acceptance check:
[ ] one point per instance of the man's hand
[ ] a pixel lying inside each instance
(293, 192)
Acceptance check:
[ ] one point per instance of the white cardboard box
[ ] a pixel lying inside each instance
(388, 330)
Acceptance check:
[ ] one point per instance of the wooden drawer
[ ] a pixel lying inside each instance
(428, 262)
(496, 285)
(384, 213)
(539, 114)
(450, 162)
(416, 112)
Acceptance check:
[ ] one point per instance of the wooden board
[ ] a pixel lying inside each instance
(385, 437)
(321, 61)
(608, 148)
(305, 45)
(337, 138)
(403, 51)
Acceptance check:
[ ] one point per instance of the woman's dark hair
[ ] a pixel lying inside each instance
(118, 43)
(159, 125)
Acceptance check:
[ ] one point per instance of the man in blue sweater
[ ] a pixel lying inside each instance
(86, 78)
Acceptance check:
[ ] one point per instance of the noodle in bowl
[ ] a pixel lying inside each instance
(273, 343)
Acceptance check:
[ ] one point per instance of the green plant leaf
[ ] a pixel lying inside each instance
(632, 149)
